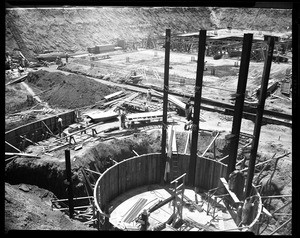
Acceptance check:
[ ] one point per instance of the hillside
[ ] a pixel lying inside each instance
(79, 28)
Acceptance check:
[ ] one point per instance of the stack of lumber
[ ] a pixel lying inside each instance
(135, 210)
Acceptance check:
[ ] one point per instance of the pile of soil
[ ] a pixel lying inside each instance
(16, 99)
(68, 91)
(28, 207)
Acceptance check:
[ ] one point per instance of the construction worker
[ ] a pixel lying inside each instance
(58, 60)
(277, 58)
(67, 57)
(8, 61)
(122, 116)
(143, 220)
(59, 125)
(146, 108)
(149, 95)
(188, 110)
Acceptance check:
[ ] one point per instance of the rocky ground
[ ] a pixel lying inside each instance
(27, 203)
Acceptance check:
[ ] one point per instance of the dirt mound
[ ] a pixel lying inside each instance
(28, 207)
(68, 91)
(17, 99)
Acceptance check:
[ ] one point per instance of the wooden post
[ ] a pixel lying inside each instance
(259, 114)
(239, 103)
(165, 104)
(197, 103)
(70, 183)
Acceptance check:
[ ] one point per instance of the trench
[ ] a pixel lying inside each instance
(51, 175)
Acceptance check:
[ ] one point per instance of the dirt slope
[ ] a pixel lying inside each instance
(68, 91)
(79, 28)
(28, 207)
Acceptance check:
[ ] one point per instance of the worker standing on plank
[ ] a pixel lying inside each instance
(188, 115)
(67, 57)
(122, 116)
(149, 95)
(59, 125)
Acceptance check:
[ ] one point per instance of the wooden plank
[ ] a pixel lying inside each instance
(187, 142)
(265, 211)
(110, 96)
(22, 154)
(158, 168)
(232, 194)
(197, 173)
(216, 175)
(202, 171)
(120, 177)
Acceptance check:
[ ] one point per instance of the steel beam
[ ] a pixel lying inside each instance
(165, 104)
(197, 104)
(70, 183)
(259, 115)
(239, 103)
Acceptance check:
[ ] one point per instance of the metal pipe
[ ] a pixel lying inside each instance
(259, 114)
(239, 103)
(197, 105)
(165, 103)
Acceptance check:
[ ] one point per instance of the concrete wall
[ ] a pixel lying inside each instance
(34, 130)
(145, 170)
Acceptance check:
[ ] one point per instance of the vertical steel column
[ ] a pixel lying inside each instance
(197, 104)
(69, 182)
(165, 104)
(239, 102)
(259, 114)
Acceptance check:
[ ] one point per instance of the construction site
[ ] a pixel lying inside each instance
(149, 119)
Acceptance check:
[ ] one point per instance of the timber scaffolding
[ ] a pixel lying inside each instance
(217, 182)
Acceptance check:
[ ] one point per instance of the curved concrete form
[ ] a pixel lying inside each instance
(144, 170)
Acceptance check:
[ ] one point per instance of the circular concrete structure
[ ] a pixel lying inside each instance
(124, 190)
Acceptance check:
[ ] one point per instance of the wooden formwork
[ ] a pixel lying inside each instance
(33, 131)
